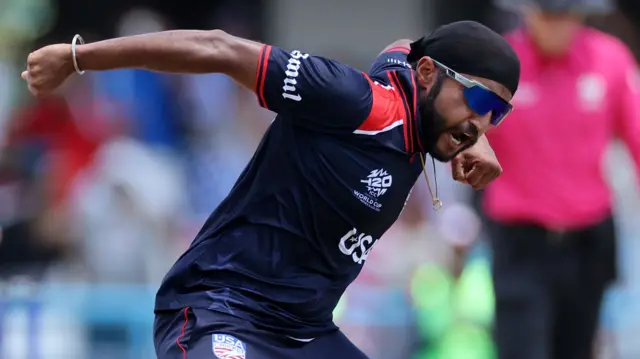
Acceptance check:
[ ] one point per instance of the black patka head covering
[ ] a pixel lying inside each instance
(471, 48)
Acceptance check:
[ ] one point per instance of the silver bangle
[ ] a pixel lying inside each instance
(74, 42)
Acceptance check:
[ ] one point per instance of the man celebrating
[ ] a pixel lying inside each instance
(331, 175)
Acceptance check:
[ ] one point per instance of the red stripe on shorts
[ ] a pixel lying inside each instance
(184, 327)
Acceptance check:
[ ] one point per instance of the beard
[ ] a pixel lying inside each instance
(433, 125)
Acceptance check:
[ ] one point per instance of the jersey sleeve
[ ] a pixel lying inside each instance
(312, 91)
(394, 58)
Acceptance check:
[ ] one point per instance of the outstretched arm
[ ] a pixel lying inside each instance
(181, 51)
(316, 92)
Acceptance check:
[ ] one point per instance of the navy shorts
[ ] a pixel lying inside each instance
(193, 333)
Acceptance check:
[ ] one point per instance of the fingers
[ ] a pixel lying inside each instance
(479, 177)
(25, 76)
(34, 83)
(30, 84)
(32, 65)
(33, 74)
(457, 170)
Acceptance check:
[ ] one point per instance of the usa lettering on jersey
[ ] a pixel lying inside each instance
(289, 90)
(358, 246)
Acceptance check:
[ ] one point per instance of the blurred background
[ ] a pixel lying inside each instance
(104, 186)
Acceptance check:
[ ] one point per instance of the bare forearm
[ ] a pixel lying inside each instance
(181, 51)
(178, 51)
(188, 51)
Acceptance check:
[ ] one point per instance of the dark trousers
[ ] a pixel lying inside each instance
(549, 288)
(205, 334)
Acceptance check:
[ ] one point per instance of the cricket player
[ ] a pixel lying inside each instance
(331, 175)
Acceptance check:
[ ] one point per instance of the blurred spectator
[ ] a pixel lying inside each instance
(127, 208)
(53, 140)
(29, 242)
(147, 99)
(49, 149)
(552, 229)
(454, 302)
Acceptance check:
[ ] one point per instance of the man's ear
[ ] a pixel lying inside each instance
(426, 72)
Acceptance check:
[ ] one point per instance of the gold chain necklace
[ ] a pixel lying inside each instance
(437, 203)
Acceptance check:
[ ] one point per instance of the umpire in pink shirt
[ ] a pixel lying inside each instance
(550, 212)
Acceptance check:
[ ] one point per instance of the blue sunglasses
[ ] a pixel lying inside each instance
(479, 98)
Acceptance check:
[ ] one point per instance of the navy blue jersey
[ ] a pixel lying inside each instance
(330, 176)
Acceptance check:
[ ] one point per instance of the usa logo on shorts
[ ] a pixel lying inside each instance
(228, 347)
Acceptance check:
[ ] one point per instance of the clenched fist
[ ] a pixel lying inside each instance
(476, 166)
(48, 68)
